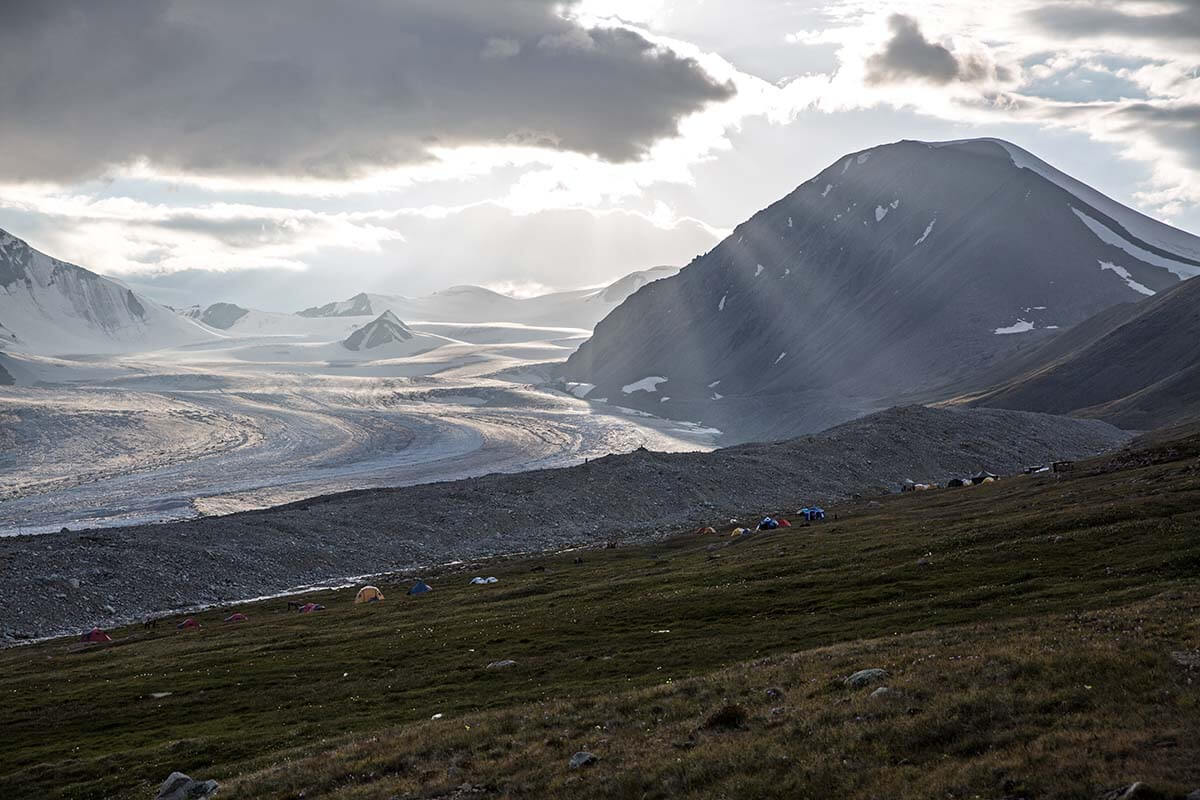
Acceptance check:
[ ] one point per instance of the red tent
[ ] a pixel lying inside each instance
(96, 635)
(236, 617)
(187, 624)
(310, 607)
(783, 523)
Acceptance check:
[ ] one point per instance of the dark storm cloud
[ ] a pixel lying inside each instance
(317, 88)
(1179, 19)
(908, 55)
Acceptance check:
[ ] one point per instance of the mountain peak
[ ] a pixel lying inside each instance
(384, 329)
(894, 270)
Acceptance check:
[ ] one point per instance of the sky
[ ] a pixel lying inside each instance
(285, 153)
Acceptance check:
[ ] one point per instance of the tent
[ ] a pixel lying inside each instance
(237, 616)
(983, 477)
(308, 608)
(768, 524)
(956, 483)
(814, 514)
(368, 594)
(783, 523)
(187, 624)
(478, 581)
(705, 530)
(420, 587)
(96, 635)
(740, 532)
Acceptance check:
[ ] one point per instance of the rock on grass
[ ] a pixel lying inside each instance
(865, 677)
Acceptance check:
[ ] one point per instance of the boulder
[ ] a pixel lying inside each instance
(865, 677)
(582, 759)
(886, 693)
(178, 786)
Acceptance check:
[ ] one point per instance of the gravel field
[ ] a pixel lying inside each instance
(60, 583)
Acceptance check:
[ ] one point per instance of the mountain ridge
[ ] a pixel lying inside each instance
(49, 306)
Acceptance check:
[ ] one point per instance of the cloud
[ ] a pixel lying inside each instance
(308, 88)
(908, 55)
(1175, 19)
(562, 248)
(1175, 127)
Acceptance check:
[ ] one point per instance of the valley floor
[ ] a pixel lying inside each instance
(1041, 639)
(180, 434)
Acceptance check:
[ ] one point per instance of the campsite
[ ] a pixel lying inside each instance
(1047, 614)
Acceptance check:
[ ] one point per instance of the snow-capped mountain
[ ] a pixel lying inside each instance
(383, 330)
(50, 307)
(894, 270)
(581, 308)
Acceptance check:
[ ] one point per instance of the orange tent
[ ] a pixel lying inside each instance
(368, 594)
(96, 635)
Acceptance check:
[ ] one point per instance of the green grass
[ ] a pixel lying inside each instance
(1033, 648)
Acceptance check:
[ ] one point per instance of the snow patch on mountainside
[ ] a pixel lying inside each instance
(1109, 236)
(925, 235)
(649, 384)
(1020, 326)
(1124, 273)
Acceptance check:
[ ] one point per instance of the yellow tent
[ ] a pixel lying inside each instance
(368, 594)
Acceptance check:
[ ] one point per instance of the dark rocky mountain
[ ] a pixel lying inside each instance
(218, 315)
(385, 329)
(895, 270)
(1135, 365)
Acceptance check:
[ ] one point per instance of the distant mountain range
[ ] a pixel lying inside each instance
(580, 308)
(893, 271)
(50, 307)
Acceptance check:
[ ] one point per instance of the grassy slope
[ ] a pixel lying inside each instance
(1033, 650)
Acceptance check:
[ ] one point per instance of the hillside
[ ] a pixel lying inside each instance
(636, 495)
(895, 270)
(1136, 366)
(1038, 635)
(50, 307)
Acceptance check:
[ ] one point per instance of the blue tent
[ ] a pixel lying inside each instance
(420, 587)
(768, 524)
(814, 514)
